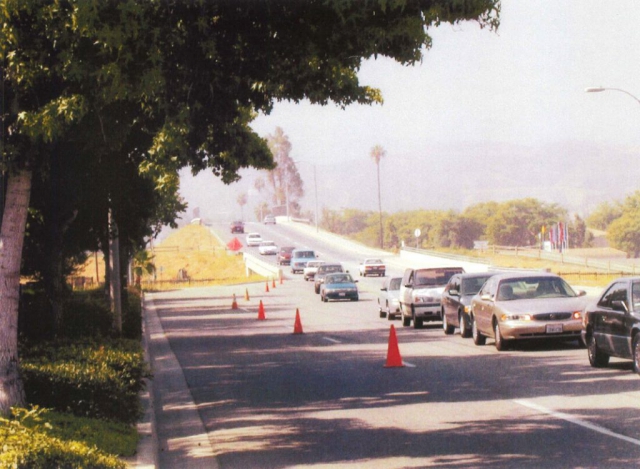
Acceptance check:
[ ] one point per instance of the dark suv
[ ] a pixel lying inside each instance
(284, 255)
(612, 324)
(237, 227)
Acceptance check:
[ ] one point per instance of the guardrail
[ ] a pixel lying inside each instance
(260, 267)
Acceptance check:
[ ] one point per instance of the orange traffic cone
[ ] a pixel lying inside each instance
(261, 316)
(393, 353)
(246, 294)
(297, 326)
(273, 283)
(234, 305)
(266, 287)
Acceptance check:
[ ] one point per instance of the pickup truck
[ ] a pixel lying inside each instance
(420, 294)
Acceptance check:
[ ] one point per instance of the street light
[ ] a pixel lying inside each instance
(599, 89)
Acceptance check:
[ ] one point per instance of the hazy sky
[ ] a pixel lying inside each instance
(522, 86)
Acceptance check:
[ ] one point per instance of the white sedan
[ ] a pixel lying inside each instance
(253, 239)
(268, 248)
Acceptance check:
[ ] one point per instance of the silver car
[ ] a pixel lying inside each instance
(388, 299)
(529, 305)
(310, 270)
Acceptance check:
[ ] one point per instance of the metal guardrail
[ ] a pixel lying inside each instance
(260, 267)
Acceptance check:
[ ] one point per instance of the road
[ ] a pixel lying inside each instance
(272, 399)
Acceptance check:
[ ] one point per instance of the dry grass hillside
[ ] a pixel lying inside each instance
(192, 249)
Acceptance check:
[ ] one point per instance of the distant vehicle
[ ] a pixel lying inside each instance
(456, 301)
(323, 270)
(389, 298)
(268, 248)
(529, 305)
(612, 324)
(310, 270)
(284, 255)
(269, 220)
(339, 286)
(237, 226)
(299, 259)
(372, 267)
(420, 293)
(253, 239)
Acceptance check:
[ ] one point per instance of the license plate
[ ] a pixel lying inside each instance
(554, 328)
(341, 294)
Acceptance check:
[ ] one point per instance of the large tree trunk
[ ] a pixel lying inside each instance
(115, 280)
(11, 240)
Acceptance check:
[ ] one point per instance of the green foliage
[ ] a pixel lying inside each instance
(30, 441)
(91, 379)
(604, 214)
(624, 233)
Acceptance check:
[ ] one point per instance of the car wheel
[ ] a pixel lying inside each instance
(446, 327)
(383, 313)
(316, 288)
(597, 358)
(636, 353)
(417, 323)
(478, 338)
(501, 343)
(406, 322)
(355, 298)
(465, 329)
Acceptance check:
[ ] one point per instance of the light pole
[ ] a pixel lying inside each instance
(599, 89)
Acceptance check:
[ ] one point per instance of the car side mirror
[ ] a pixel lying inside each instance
(454, 292)
(581, 293)
(618, 305)
(408, 285)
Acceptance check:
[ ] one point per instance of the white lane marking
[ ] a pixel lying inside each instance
(332, 340)
(576, 421)
(410, 365)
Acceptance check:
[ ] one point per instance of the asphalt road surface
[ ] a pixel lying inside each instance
(269, 398)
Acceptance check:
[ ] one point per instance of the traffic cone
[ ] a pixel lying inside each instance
(261, 316)
(266, 287)
(273, 283)
(297, 326)
(246, 294)
(234, 305)
(393, 353)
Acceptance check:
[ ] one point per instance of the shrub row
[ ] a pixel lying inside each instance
(89, 379)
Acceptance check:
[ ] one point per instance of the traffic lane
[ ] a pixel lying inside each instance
(272, 399)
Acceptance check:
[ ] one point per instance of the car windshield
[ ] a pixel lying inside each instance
(471, 286)
(344, 278)
(434, 277)
(395, 283)
(534, 287)
(373, 261)
(305, 255)
(325, 269)
(268, 243)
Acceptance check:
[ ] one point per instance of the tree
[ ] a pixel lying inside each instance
(518, 222)
(242, 201)
(188, 77)
(624, 231)
(377, 153)
(604, 215)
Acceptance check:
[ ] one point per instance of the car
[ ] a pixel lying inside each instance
(420, 293)
(299, 259)
(372, 266)
(269, 220)
(388, 298)
(339, 286)
(456, 301)
(284, 255)
(524, 306)
(611, 325)
(324, 269)
(268, 248)
(237, 226)
(253, 239)
(310, 270)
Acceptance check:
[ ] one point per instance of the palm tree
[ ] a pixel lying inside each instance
(377, 153)
(142, 262)
(242, 201)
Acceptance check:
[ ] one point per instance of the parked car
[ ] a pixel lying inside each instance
(237, 226)
(299, 259)
(372, 267)
(253, 239)
(518, 306)
(612, 324)
(268, 248)
(456, 301)
(388, 299)
(339, 286)
(269, 220)
(420, 293)
(284, 255)
(310, 270)
(323, 270)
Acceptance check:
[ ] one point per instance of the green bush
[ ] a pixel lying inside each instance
(26, 442)
(86, 378)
